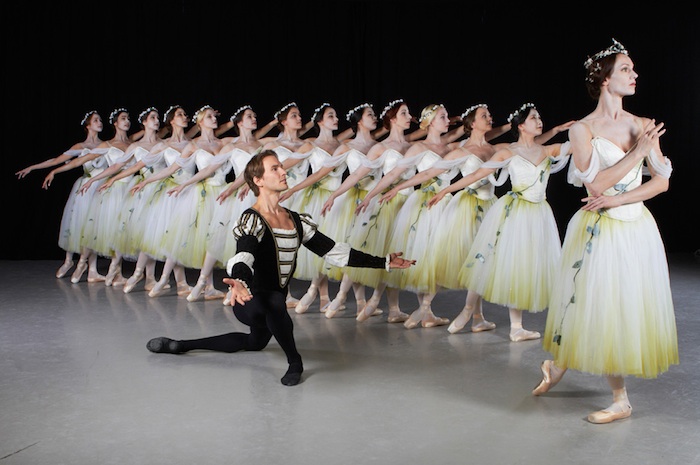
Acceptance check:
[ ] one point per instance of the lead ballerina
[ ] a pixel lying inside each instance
(611, 311)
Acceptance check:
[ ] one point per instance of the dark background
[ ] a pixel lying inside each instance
(64, 59)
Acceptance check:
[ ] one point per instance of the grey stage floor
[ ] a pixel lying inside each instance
(79, 387)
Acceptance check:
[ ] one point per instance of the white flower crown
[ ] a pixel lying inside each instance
(201, 110)
(145, 113)
(87, 115)
(429, 112)
(522, 108)
(283, 109)
(172, 107)
(237, 112)
(359, 107)
(389, 106)
(319, 110)
(472, 108)
(115, 113)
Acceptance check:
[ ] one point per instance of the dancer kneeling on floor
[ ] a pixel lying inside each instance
(269, 235)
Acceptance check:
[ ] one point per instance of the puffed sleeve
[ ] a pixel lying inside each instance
(248, 231)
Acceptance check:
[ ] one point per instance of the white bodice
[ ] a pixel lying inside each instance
(483, 188)
(608, 154)
(184, 173)
(203, 159)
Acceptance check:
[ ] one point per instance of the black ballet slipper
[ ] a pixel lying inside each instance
(164, 345)
(293, 375)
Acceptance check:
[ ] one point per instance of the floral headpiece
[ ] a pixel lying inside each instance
(472, 108)
(430, 112)
(237, 112)
(592, 64)
(145, 113)
(283, 109)
(200, 111)
(524, 107)
(389, 107)
(87, 116)
(172, 107)
(357, 108)
(115, 113)
(319, 110)
(616, 47)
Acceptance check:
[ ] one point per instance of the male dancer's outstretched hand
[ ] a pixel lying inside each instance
(395, 261)
(239, 292)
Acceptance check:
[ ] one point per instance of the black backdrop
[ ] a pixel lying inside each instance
(64, 59)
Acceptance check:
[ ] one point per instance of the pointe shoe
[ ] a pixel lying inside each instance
(111, 274)
(397, 317)
(617, 411)
(197, 290)
(362, 305)
(133, 280)
(164, 345)
(523, 334)
(323, 303)
(212, 293)
(369, 310)
(414, 320)
(119, 280)
(291, 302)
(333, 307)
(150, 283)
(306, 301)
(431, 321)
(79, 271)
(158, 290)
(63, 269)
(483, 325)
(461, 320)
(95, 277)
(548, 381)
(183, 289)
(227, 299)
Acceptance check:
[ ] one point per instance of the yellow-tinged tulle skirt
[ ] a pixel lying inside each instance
(611, 308)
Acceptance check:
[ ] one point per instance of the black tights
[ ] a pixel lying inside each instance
(266, 314)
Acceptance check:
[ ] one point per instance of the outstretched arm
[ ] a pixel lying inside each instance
(546, 136)
(308, 181)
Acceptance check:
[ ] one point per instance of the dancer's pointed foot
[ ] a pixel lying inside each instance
(111, 274)
(291, 301)
(551, 375)
(95, 277)
(119, 280)
(461, 320)
(164, 345)
(483, 325)
(133, 280)
(333, 307)
(158, 289)
(323, 303)
(212, 293)
(522, 334)
(196, 291)
(361, 306)
(430, 320)
(306, 301)
(183, 289)
(293, 375)
(414, 319)
(396, 316)
(368, 310)
(64, 269)
(79, 271)
(617, 411)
